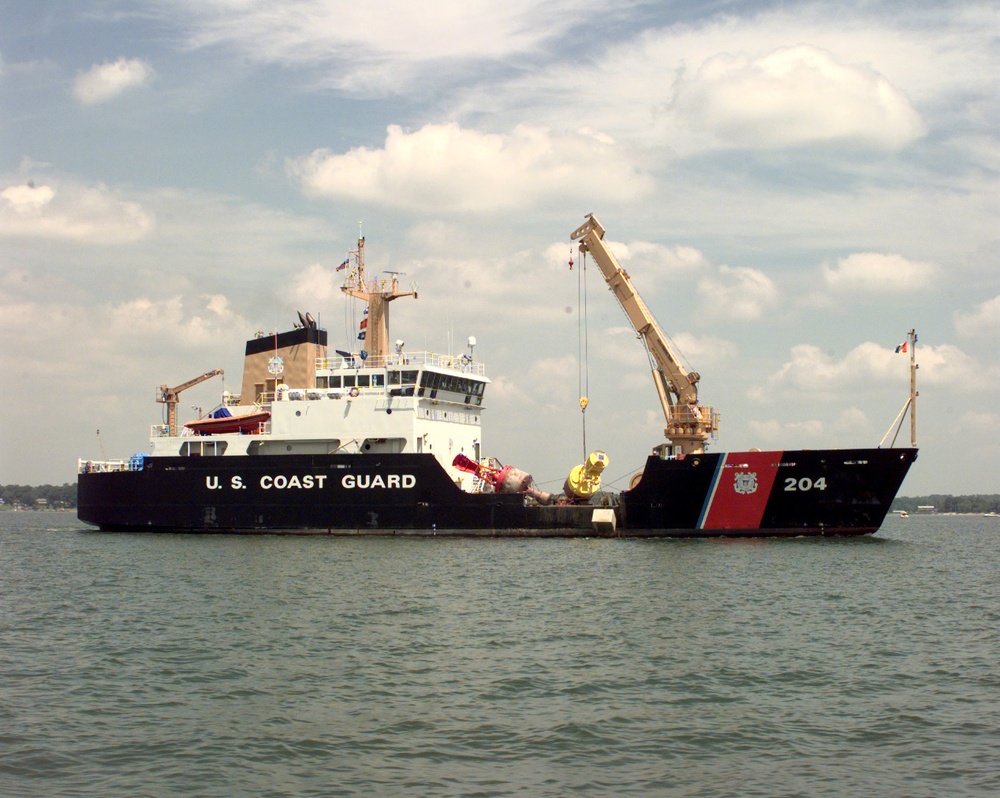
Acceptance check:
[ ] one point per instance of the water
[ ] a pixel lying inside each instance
(144, 665)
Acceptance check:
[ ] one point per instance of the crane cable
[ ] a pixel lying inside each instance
(583, 344)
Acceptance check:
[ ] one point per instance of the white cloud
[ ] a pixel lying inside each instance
(704, 350)
(850, 426)
(800, 76)
(853, 422)
(103, 82)
(793, 96)
(878, 272)
(124, 332)
(380, 45)
(27, 199)
(950, 367)
(653, 261)
(315, 285)
(621, 347)
(813, 372)
(195, 324)
(739, 293)
(982, 321)
(69, 211)
(456, 169)
(658, 260)
(776, 433)
(548, 370)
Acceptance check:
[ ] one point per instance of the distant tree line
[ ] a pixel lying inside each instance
(52, 496)
(978, 503)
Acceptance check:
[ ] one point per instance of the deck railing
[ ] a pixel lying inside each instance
(462, 363)
(107, 466)
(691, 417)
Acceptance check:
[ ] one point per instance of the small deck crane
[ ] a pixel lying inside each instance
(169, 397)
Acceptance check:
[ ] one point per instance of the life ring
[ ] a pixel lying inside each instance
(354, 393)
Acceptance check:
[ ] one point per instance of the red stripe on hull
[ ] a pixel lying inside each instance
(742, 489)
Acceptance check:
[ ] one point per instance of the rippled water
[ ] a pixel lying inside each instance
(227, 666)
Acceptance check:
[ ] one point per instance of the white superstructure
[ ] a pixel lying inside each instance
(405, 403)
(368, 402)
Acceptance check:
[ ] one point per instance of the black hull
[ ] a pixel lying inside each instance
(746, 494)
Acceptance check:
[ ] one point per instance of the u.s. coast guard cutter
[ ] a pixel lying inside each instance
(387, 441)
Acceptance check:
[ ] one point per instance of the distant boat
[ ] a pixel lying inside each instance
(990, 515)
(903, 514)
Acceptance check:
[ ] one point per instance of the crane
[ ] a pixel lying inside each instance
(689, 424)
(168, 396)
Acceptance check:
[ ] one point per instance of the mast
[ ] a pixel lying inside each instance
(912, 338)
(910, 344)
(377, 294)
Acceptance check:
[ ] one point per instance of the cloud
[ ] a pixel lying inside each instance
(982, 321)
(813, 372)
(950, 367)
(853, 421)
(654, 261)
(851, 426)
(457, 169)
(739, 293)
(811, 76)
(315, 286)
(379, 45)
(123, 332)
(658, 260)
(72, 212)
(104, 82)
(877, 272)
(706, 350)
(776, 433)
(192, 323)
(795, 96)
(27, 199)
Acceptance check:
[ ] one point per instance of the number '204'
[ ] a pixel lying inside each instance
(804, 483)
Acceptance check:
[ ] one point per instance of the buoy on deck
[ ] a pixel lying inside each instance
(585, 480)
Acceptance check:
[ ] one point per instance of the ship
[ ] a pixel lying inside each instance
(382, 440)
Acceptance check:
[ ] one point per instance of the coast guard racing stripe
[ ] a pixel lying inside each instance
(739, 491)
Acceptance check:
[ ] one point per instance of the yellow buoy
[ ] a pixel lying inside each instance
(585, 480)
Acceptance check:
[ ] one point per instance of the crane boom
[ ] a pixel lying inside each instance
(169, 397)
(689, 425)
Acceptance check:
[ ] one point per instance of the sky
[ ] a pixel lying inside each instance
(792, 186)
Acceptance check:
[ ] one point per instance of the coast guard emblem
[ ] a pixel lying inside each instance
(745, 483)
